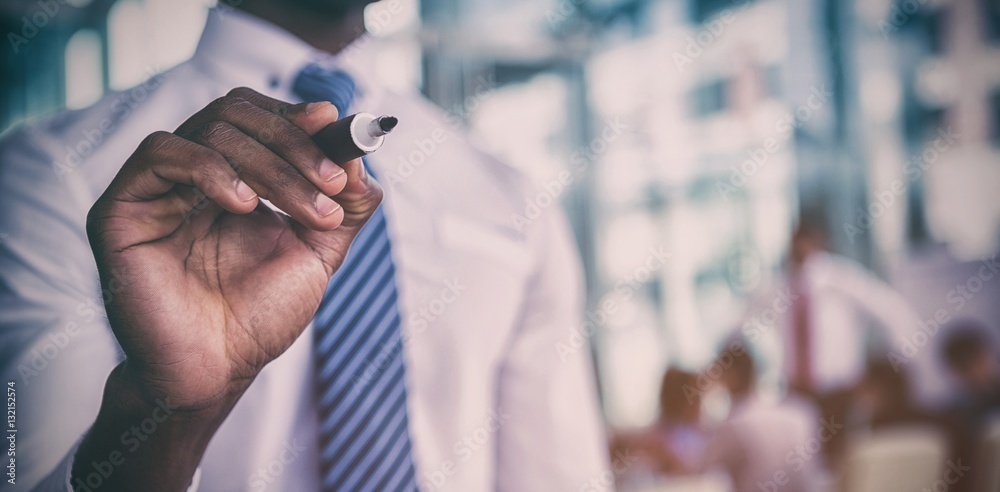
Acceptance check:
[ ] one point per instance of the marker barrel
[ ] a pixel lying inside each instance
(349, 138)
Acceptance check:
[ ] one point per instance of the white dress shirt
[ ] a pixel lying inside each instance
(844, 299)
(768, 445)
(492, 403)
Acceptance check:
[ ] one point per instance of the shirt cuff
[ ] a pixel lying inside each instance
(59, 479)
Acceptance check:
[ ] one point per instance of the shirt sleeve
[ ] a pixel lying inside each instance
(60, 478)
(879, 300)
(554, 438)
(55, 345)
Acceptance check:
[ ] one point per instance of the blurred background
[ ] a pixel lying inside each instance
(686, 140)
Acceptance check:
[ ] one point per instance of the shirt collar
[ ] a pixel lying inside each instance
(243, 49)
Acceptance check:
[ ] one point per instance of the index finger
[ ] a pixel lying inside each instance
(311, 117)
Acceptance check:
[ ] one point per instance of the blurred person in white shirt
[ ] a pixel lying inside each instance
(819, 310)
(812, 323)
(765, 445)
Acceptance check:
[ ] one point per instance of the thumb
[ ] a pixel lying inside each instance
(360, 199)
(361, 195)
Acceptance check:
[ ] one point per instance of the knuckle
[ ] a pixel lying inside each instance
(371, 199)
(283, 110)
(227, 105)
(206, 176)
(155, 142)
(288, 178)
(285, 144)
(375, 195)
(242, 92)
(207, 163)
(269, 132)
(209, 158)
(216, 131)
(218, 104)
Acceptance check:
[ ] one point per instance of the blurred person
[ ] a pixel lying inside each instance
(885, 399)
(823, 327)
(972, 356)
(675, 444)
(244, 367)
(817, 311)
(764, 445)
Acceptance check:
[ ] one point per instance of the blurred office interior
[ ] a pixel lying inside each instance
(684, 138)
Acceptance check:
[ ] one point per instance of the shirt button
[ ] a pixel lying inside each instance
(274, 82)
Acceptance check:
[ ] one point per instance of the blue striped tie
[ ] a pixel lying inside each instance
(361, 389)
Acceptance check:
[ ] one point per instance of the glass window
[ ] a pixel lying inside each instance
(84, 63)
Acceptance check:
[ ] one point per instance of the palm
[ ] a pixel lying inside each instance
(234, 292)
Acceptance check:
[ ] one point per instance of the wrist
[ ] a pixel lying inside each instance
(143, 442)
(130, 389)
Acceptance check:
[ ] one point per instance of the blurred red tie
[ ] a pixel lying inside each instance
(802, 377)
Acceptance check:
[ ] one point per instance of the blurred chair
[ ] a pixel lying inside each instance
(902, 459)
(988, 462)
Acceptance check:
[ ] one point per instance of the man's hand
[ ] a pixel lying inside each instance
(216, 284)
(213, 283)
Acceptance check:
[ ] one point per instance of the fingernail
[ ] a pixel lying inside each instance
(306, 107)
(244, 191)
(325, 206)
(328, 170)
(313, 106)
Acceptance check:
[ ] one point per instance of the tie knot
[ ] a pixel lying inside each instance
(319, 83)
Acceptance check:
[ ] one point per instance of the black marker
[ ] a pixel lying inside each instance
(354, 136)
